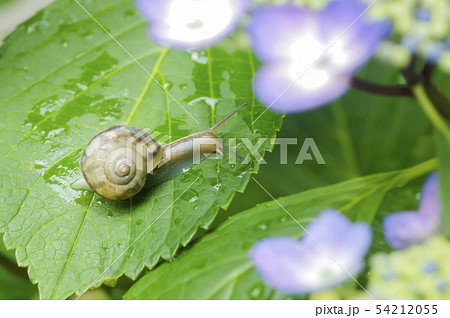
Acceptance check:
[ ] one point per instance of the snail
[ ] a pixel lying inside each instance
(118, 160)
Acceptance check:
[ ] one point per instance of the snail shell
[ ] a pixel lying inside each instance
(117, 160)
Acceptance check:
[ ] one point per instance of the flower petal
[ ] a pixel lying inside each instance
(332, 248)
(152, 9)
(273, 29)
(191, 24)
(345, 241)
(403, 229)
(406, 228)
(278, 260)
(337, 16)
(278, 86)
(346, 26)
(430, 203)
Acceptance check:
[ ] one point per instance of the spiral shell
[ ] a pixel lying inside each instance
(116, 162)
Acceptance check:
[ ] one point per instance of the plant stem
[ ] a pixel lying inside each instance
(389, 90)
(429, 109)
(417, 171)
(427, 72)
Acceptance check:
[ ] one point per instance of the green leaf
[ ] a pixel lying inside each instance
(64, 79)
(217, 266)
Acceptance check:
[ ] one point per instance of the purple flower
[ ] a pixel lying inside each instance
(332, 248)
(403, 229)
(318, 50)
(191, 24)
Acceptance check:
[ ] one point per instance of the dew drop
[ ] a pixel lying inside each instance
(167, 86)
(256, 291)
(199, 57)
(261, 226)
(212, 102)
(193, 199)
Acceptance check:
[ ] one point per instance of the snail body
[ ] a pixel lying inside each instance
(118, 160)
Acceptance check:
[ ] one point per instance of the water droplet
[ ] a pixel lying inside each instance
(242, 175)
(217, 186)
(193, 199)
(199, 57)
(256, 291)
(167, 86)
(182, 86)
(78, 55)
(261, 226)
(212, 102)
(283, 219)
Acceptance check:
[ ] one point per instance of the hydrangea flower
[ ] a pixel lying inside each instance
(316, 262)
(420, 272)
(318, 50)
(191, 24)
(422, 27)
(403, 229)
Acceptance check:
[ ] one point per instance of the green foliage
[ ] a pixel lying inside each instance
(64, 79)
(14, 283)
(217, 266)
(2, 2)
(444, 182)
